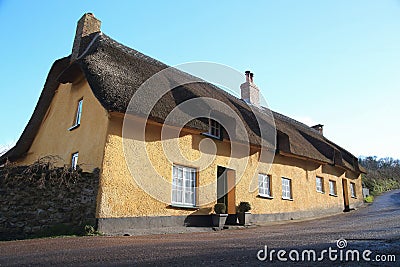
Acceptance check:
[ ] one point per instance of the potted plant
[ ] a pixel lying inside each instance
(243, 213)
(220, 215)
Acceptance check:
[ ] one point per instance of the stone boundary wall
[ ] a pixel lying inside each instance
(39, 200)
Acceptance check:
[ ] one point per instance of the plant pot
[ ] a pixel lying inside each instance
(244, 218)
(219, 220)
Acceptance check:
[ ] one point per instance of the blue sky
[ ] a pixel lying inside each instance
(331, 62)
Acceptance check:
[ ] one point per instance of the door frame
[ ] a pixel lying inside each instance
(345, 195)
(226, 178)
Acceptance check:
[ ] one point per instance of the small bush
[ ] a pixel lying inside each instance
(90, 231)
(244, 207)
(369, 199)
(220, 208)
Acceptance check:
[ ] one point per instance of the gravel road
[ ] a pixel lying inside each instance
(375, 227)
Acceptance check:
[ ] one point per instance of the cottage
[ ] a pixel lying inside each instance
(85, 117)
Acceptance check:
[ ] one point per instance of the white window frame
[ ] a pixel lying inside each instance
(264, 185)
(319, 182)
(184, 180)
(214, 128)
(78, 115)
(353, 190)
(74, 160)
(287, 188)
(332, 188)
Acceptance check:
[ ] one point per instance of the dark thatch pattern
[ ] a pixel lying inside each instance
(115, 72)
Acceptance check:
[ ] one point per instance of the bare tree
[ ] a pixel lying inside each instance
(4, 148)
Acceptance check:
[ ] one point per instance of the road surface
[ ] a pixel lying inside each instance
(375, 228)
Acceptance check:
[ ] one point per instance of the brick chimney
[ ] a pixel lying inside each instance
(319, 128)
(86, 28)
(249, 91)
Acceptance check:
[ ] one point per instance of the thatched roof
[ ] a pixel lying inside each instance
(115, 72)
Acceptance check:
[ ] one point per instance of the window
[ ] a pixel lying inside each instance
(214, 128)
(286, 188)
(332, 188)
(183, 186)
(353, 190)
(320, 184)
(78, 115)
(264, 185)
(74, 161)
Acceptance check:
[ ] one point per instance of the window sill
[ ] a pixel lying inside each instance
(285, 198)
(212, 136)
(333, 195)
(181, 206)
(74, 127)
(265, 196)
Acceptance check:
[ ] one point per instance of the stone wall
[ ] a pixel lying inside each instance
(39, 200)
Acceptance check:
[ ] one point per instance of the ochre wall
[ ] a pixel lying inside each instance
(120, 196)
(304, 194)
(54, 138)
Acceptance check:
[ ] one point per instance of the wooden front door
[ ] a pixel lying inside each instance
(345, 195)
(226, 188)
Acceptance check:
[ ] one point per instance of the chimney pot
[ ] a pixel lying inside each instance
(251, 77)
(247, 73)
(319, 128)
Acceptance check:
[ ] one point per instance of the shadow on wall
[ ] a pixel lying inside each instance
(199, 218)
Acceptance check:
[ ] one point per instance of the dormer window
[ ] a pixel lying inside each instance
(214, 129)
(78, 115)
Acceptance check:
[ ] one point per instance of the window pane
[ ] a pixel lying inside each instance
(260, 184)
(174, 195)
(332, 189)
(78, 112)
(319, 184)
(188, 198)
(214, 128)
(286, 188)
(183, 185)
(353, 189)
(179, 196)
(263, 184)
(267, 185)
(74, 161)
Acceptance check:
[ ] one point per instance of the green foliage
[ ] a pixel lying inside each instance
(90, 230)
(244, 207)
(382, 174)
(369, 199)
(220, 208)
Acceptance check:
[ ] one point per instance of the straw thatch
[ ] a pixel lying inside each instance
(115, 72)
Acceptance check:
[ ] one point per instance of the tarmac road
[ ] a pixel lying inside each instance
(375, 228)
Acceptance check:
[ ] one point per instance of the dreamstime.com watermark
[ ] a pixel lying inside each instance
(338, 253)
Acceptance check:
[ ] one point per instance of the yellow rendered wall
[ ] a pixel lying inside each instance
(120, 196)
(54, 138)
(305, 197)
